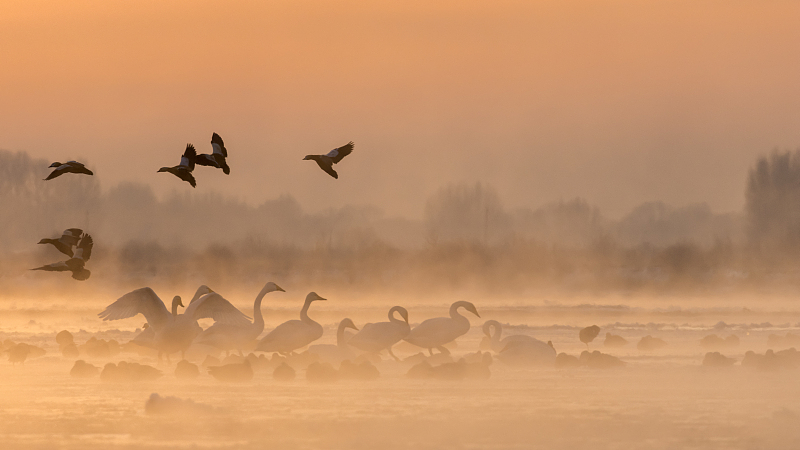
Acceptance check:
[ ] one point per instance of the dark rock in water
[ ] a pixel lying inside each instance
(588, 334)
(234, 373)
(784, 359)
(284, 372)
(614, 341)
(321, 372)
(82, 369)
(363, 371)
(716, 359)
(64, 338)
(70, 351)
(174, 406)
(186, 370)
(597, 360)
(565, 361)
(125, 372)
(649, 343)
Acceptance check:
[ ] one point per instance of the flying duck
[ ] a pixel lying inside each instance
(326, 162)
(217, 157)
(185, 168)
(67, 167)
(76, 263)
(67, 240)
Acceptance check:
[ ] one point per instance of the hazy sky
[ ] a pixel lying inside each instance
(618, 102)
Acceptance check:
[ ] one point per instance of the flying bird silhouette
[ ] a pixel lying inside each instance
(326, 162)
(75, 264)
(67, 167)
(67, 240)
(185, 168)
(217, 157)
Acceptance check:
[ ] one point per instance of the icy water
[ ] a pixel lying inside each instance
(662, 399)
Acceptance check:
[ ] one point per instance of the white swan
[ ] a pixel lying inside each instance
(518, 348)
(434, 333)
(289, 336)
(226, 336)
(173, 332)
(375, 337)
(339, 352)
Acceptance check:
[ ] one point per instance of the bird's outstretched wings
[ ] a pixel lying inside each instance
(188, 158)
(71, 236)
(337, 154)
(141, 301)
(214, 306)
(219, 146)
(84, 250)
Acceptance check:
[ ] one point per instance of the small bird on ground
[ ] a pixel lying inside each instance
(67, 167)
(326, 162)
(76, 263)
(217, 157)
(67, 240)
(185, 168)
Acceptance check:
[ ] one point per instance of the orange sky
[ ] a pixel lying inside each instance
(618, 102)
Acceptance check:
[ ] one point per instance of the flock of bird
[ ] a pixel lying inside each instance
(74, 237)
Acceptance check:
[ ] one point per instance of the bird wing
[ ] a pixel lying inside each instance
(55, 267)
(141, 301)
(58, 171)
(337, 154)
(189, 157)
(75, 164)
(327, 167)
(71, 236)
(219, 146)
(84, 250)
(214, 306)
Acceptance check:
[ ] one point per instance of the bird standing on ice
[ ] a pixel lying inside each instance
(76, 263)
(185, 168)
(67, 167)
(326, 162)
(217, 157)
(436, 332)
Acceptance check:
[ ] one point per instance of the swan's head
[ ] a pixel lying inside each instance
(347, 323)
(401, 310)
(272, 287)
(55, 164)
(177, 301)
(487, 327)
(471, 308)
(312, 297)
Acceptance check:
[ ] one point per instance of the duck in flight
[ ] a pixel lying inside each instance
(68, 239)
(185, 168)
(217, 157)
(76, 263)
(326, 162)
(67, 167)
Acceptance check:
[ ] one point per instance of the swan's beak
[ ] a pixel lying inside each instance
(279, 288)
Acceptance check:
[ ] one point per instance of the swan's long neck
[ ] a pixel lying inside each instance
(392, 318)
(498, 331)
(454, 314)
(340, 335)
(304, 312)
(175, 302)
(258, 318)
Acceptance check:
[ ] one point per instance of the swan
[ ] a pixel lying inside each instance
(185, 168)
(294, 334)
(375, 337)
(225, 336)
(440, 330)
(326, 162)
(498, 344)
(338, 352)
(173, 332)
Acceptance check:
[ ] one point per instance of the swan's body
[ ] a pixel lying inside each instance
(375, 337)
(339, 352)
(173, 332)
(226, 336)
(294, 334)
(434, 333)
(519, 348)
(326, 162)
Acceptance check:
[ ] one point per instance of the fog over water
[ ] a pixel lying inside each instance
(557, 164)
